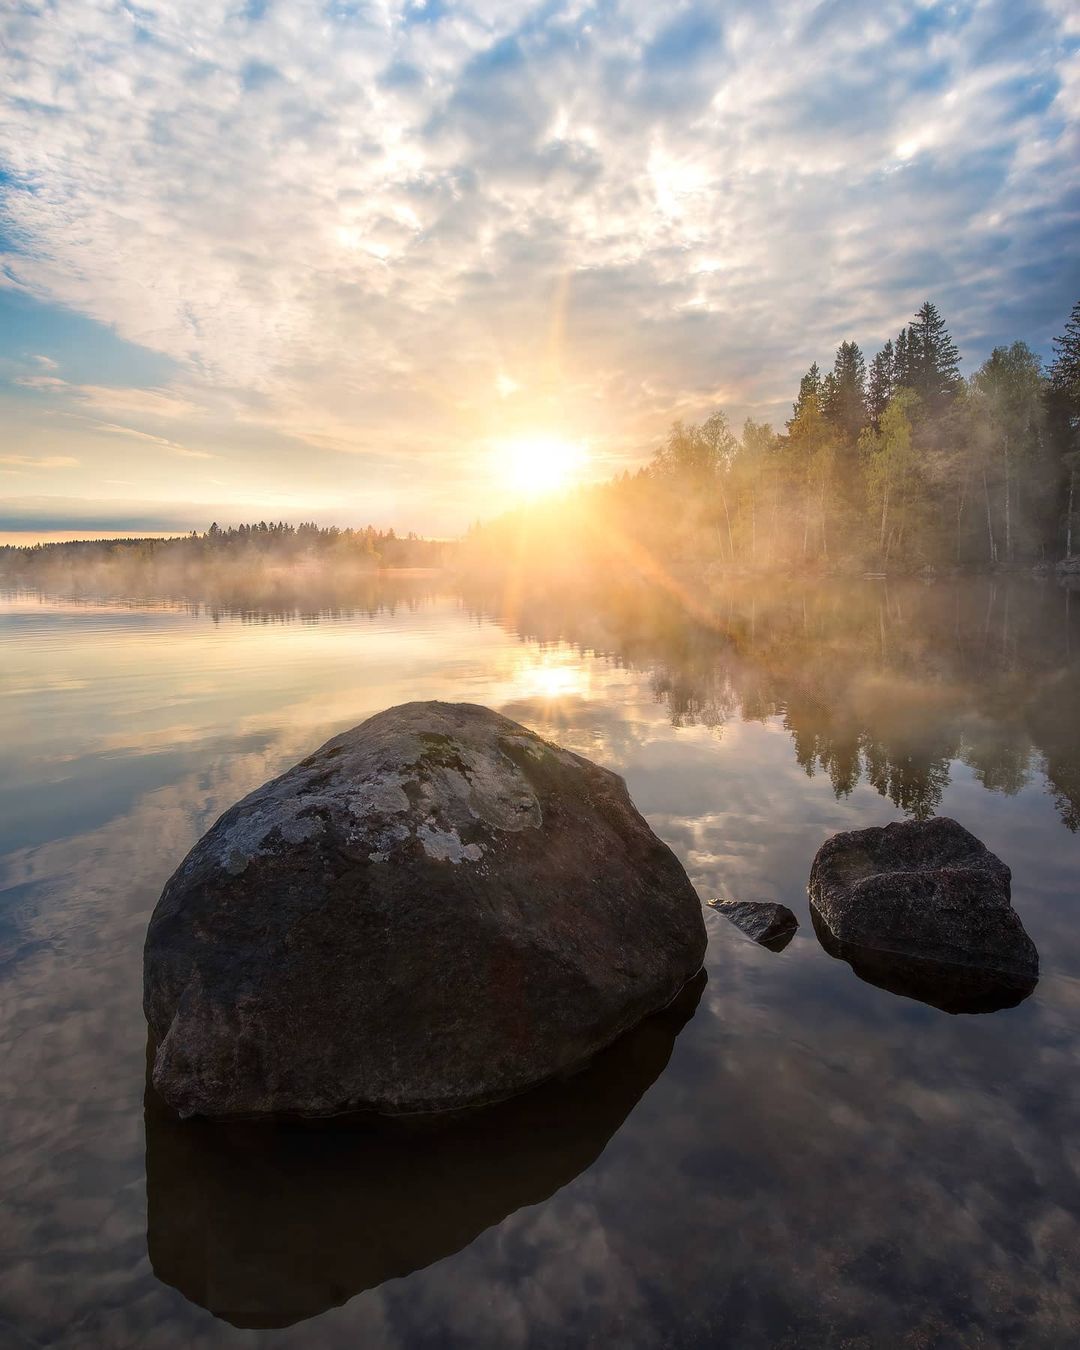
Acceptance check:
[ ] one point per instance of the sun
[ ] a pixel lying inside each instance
(536, 466)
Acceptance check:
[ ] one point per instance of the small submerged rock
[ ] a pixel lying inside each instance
(923, 908)
(436, 910)
(769, 924)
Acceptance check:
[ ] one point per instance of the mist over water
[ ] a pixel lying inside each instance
(802, 1157)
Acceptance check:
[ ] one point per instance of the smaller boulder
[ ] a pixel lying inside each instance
(923, 908)
(769, 924)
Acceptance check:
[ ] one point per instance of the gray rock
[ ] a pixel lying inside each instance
(923, 908)
(436, 910)
(769, 924)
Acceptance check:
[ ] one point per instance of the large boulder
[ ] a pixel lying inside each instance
(435, 911)
(923, 908)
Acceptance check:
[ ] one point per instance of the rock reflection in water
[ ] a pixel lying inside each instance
(952, 988)
(266, 1225)
(777, 944)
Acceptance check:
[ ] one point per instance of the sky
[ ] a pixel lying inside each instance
(335, 260)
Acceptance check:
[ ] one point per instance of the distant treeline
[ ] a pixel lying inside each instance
(902, 465)
(275, 565)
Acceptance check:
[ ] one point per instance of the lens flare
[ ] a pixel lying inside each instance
(536, 466)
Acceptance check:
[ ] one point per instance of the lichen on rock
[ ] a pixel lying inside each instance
(435, 910)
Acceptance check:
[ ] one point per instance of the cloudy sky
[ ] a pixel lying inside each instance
(325, 259)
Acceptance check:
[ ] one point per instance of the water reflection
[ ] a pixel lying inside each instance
(818, 1164)
(887, 683)
(952, 988)
(268, 1225)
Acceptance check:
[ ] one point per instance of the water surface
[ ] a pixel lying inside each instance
(791, 1156)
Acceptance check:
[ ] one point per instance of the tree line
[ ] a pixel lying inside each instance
(899, 464)
(276, 567)
(382, 548)
(905, 461)
(280, 540)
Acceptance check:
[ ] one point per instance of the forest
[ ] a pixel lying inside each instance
(899, 465)
(896, 465)
(274, 567)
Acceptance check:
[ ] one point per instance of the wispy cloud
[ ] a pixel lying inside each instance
(391, 235)
(115, 429)
(157, 403)
(39, 461)
(42, 383)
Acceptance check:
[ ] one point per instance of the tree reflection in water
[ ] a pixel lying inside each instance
(887, 682)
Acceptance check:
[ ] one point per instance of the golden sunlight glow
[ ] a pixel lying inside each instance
(551, 677)
(533, 466)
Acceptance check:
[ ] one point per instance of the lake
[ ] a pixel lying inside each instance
(789, 1156)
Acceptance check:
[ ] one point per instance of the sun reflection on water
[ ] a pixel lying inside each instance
(551, 677)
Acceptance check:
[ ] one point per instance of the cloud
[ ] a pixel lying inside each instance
(115, 429)
(352, 223)
(39, 461)
(42, 383)
(157, 403)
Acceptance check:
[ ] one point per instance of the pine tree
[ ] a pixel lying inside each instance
(880, 385)
(810, 392)
(830, 397)
(1065, 409)
(1065, 367)
(892, 468)
(1008, 389)
(932, 357)
(902, 372)
(844, 392)
(811, 439)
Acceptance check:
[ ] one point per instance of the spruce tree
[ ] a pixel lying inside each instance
(844, 393)
(902, 372)
(1008, 390)
(810, 392)
(1065, 418)
(830, 397)
(880, 385)
(1065, 367)
(932, 357)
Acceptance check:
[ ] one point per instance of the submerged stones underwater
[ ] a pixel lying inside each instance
(436, 910)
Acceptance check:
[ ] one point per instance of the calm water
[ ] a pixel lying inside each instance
(790, 1157)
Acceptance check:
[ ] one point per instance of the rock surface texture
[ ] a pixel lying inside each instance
(769, 924)
(923, 908)
(436, 910)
